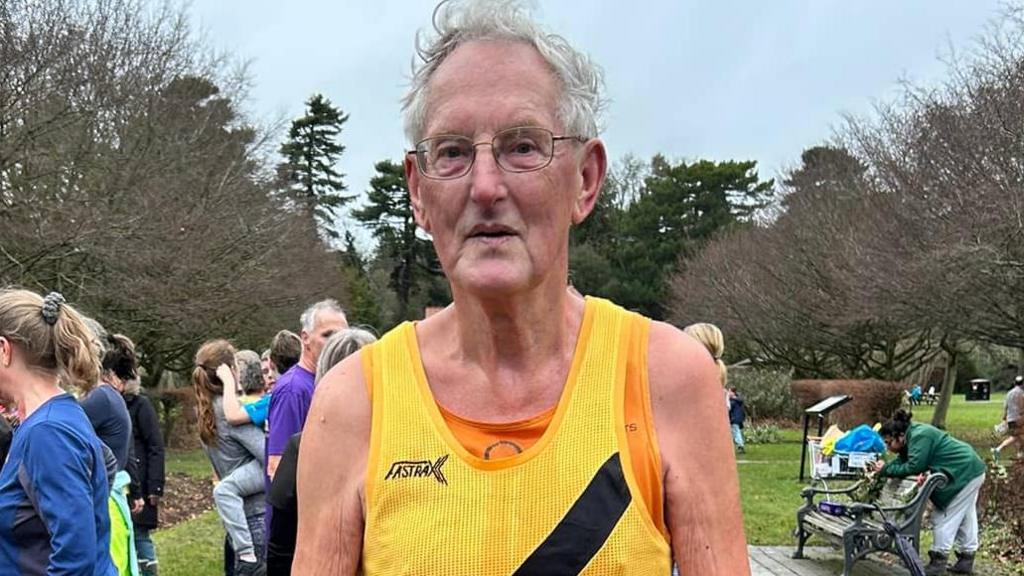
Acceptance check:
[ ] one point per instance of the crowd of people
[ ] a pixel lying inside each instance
(82, 454)
(82, 475)
(251, 409)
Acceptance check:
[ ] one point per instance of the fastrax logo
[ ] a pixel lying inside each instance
(418, 469)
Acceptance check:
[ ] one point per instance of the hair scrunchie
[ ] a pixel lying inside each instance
(51, 307)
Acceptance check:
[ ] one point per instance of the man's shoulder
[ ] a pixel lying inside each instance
(295, 379)
(681, 373)
(670, 347)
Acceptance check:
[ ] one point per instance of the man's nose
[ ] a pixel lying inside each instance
(487, 179)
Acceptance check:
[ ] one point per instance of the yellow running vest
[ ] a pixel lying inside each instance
(567, 505)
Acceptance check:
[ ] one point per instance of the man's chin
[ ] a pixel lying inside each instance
(492, 279)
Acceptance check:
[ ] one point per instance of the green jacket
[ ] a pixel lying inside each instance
(122, 536)
(929, 449)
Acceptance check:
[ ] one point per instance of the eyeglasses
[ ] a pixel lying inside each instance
(522, 149)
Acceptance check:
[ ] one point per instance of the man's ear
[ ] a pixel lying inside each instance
(593, 167)
(413, 180)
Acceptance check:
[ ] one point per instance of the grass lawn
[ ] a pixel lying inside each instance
(196, 547)
(193, 548)
(970, 421)
(191, 462)
(770, 489)
(769, 486)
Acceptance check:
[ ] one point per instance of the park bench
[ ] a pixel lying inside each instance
(858, 527)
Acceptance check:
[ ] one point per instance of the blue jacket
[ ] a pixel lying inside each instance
(54, 517)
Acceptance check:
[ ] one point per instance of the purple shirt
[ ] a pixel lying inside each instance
(289, 404)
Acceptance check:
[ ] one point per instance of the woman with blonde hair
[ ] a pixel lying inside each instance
(53, 488)
(236, 453)
(711, 337)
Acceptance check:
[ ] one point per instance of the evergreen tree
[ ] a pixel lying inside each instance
(643, 230)
(824, 170)
(363, 305)
(390, 218)
(311, 152)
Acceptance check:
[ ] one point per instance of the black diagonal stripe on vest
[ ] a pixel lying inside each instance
(584, 529)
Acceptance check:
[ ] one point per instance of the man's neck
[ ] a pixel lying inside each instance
(511, 333)
(501, 360)
(307, 363)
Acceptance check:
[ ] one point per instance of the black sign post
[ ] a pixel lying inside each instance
(821, 410)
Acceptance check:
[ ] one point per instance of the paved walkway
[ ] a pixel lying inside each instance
(776, 561)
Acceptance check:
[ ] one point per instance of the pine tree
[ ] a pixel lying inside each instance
(649, 227)
(364, 303)
(308, 172)
(390, 218)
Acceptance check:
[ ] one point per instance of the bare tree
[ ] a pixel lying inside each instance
(130, 181)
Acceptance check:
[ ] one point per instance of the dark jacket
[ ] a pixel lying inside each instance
(147, 467)
(284, 523)
(737, 413)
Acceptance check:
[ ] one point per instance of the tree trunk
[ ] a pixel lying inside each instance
(948, 384)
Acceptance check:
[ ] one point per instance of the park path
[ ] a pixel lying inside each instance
(776, 561)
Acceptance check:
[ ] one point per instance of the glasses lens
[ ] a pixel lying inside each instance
(523, 149)
(445, 156)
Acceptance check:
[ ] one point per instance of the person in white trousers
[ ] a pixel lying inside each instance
(921, 449)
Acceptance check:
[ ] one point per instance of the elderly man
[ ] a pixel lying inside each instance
(522, 429)
(293, 390)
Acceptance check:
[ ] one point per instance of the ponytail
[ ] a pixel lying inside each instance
(711, 337)
(52, 335)
(76, 354)
(207, 385)
(204, 405)
(120, 357)
(897, 425)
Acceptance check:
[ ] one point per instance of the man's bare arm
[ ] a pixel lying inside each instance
(702, 505)
(273, 460)
(332, 469)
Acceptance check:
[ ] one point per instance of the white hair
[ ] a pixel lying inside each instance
(459, 21)
(340, 346)
(308, 318)
(99, 334)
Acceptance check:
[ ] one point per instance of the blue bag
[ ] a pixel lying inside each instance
(861, 439)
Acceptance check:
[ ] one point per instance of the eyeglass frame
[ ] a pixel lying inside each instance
(469, 168)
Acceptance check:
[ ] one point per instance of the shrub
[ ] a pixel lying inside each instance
(873, 400)
(1002, 505)
(766, 393)
(762, 434)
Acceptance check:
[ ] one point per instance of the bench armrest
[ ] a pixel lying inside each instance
(859, 509)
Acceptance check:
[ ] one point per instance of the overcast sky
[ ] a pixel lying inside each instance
(716, 79)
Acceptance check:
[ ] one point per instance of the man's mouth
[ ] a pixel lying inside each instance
(491, 231)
